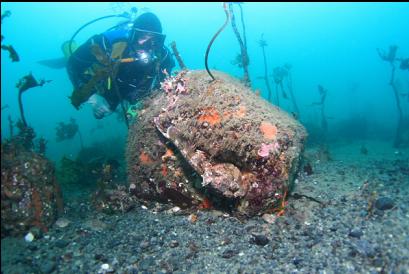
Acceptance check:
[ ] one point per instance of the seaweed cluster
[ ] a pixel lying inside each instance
(96, 168)
(402, 131)
(66, 131)
(25, 83)
(282, 75)
(242, 59)
(112, 197)
(12, 52)
(263, 44)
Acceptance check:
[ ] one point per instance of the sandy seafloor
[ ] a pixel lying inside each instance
(343, 234)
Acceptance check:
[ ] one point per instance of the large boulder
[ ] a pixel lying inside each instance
(30, 195)
(197, 141)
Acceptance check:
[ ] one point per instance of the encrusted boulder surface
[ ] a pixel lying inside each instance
(30, 195)
(197, 141)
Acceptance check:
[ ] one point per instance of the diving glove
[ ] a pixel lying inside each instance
(100, 106)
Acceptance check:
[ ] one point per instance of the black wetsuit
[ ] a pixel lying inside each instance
(134, 79)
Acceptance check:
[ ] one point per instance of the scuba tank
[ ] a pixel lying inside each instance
(65, 48)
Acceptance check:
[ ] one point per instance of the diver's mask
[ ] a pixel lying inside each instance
(144, 39)
(145, 45)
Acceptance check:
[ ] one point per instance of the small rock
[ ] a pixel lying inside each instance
(260, 239)
(29, 237)
(32, 247)
(269, 218)
(333, 228)
(363, 213)
(216, 213)
(37, 232)
(115, 261)
(105, 268)
(174, 243)
(210, 221)
(192, 218)
(384, 203)
(144, 244)
(48, 267)
(356, 233)
(95, 225)
(62, 222)
(146, 263)
(227, 254)
(100, 257)
(61, 243)
(225, 241)
(166, 266)
(67, 257)
(378, 262)
(174, 209)
(297, 261)
(193, 250)
(364, 248)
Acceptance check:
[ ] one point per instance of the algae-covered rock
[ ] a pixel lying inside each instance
(199, 140)
(30, 195)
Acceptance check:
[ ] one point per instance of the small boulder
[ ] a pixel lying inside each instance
(384, 203)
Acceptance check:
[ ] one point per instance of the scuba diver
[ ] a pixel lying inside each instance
(121, 64)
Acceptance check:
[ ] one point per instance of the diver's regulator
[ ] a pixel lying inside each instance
(142, 57)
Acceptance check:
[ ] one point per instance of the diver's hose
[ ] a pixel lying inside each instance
(214, 38)
(119, 25)
(91, 22)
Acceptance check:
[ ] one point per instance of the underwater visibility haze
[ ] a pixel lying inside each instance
(227, 137)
